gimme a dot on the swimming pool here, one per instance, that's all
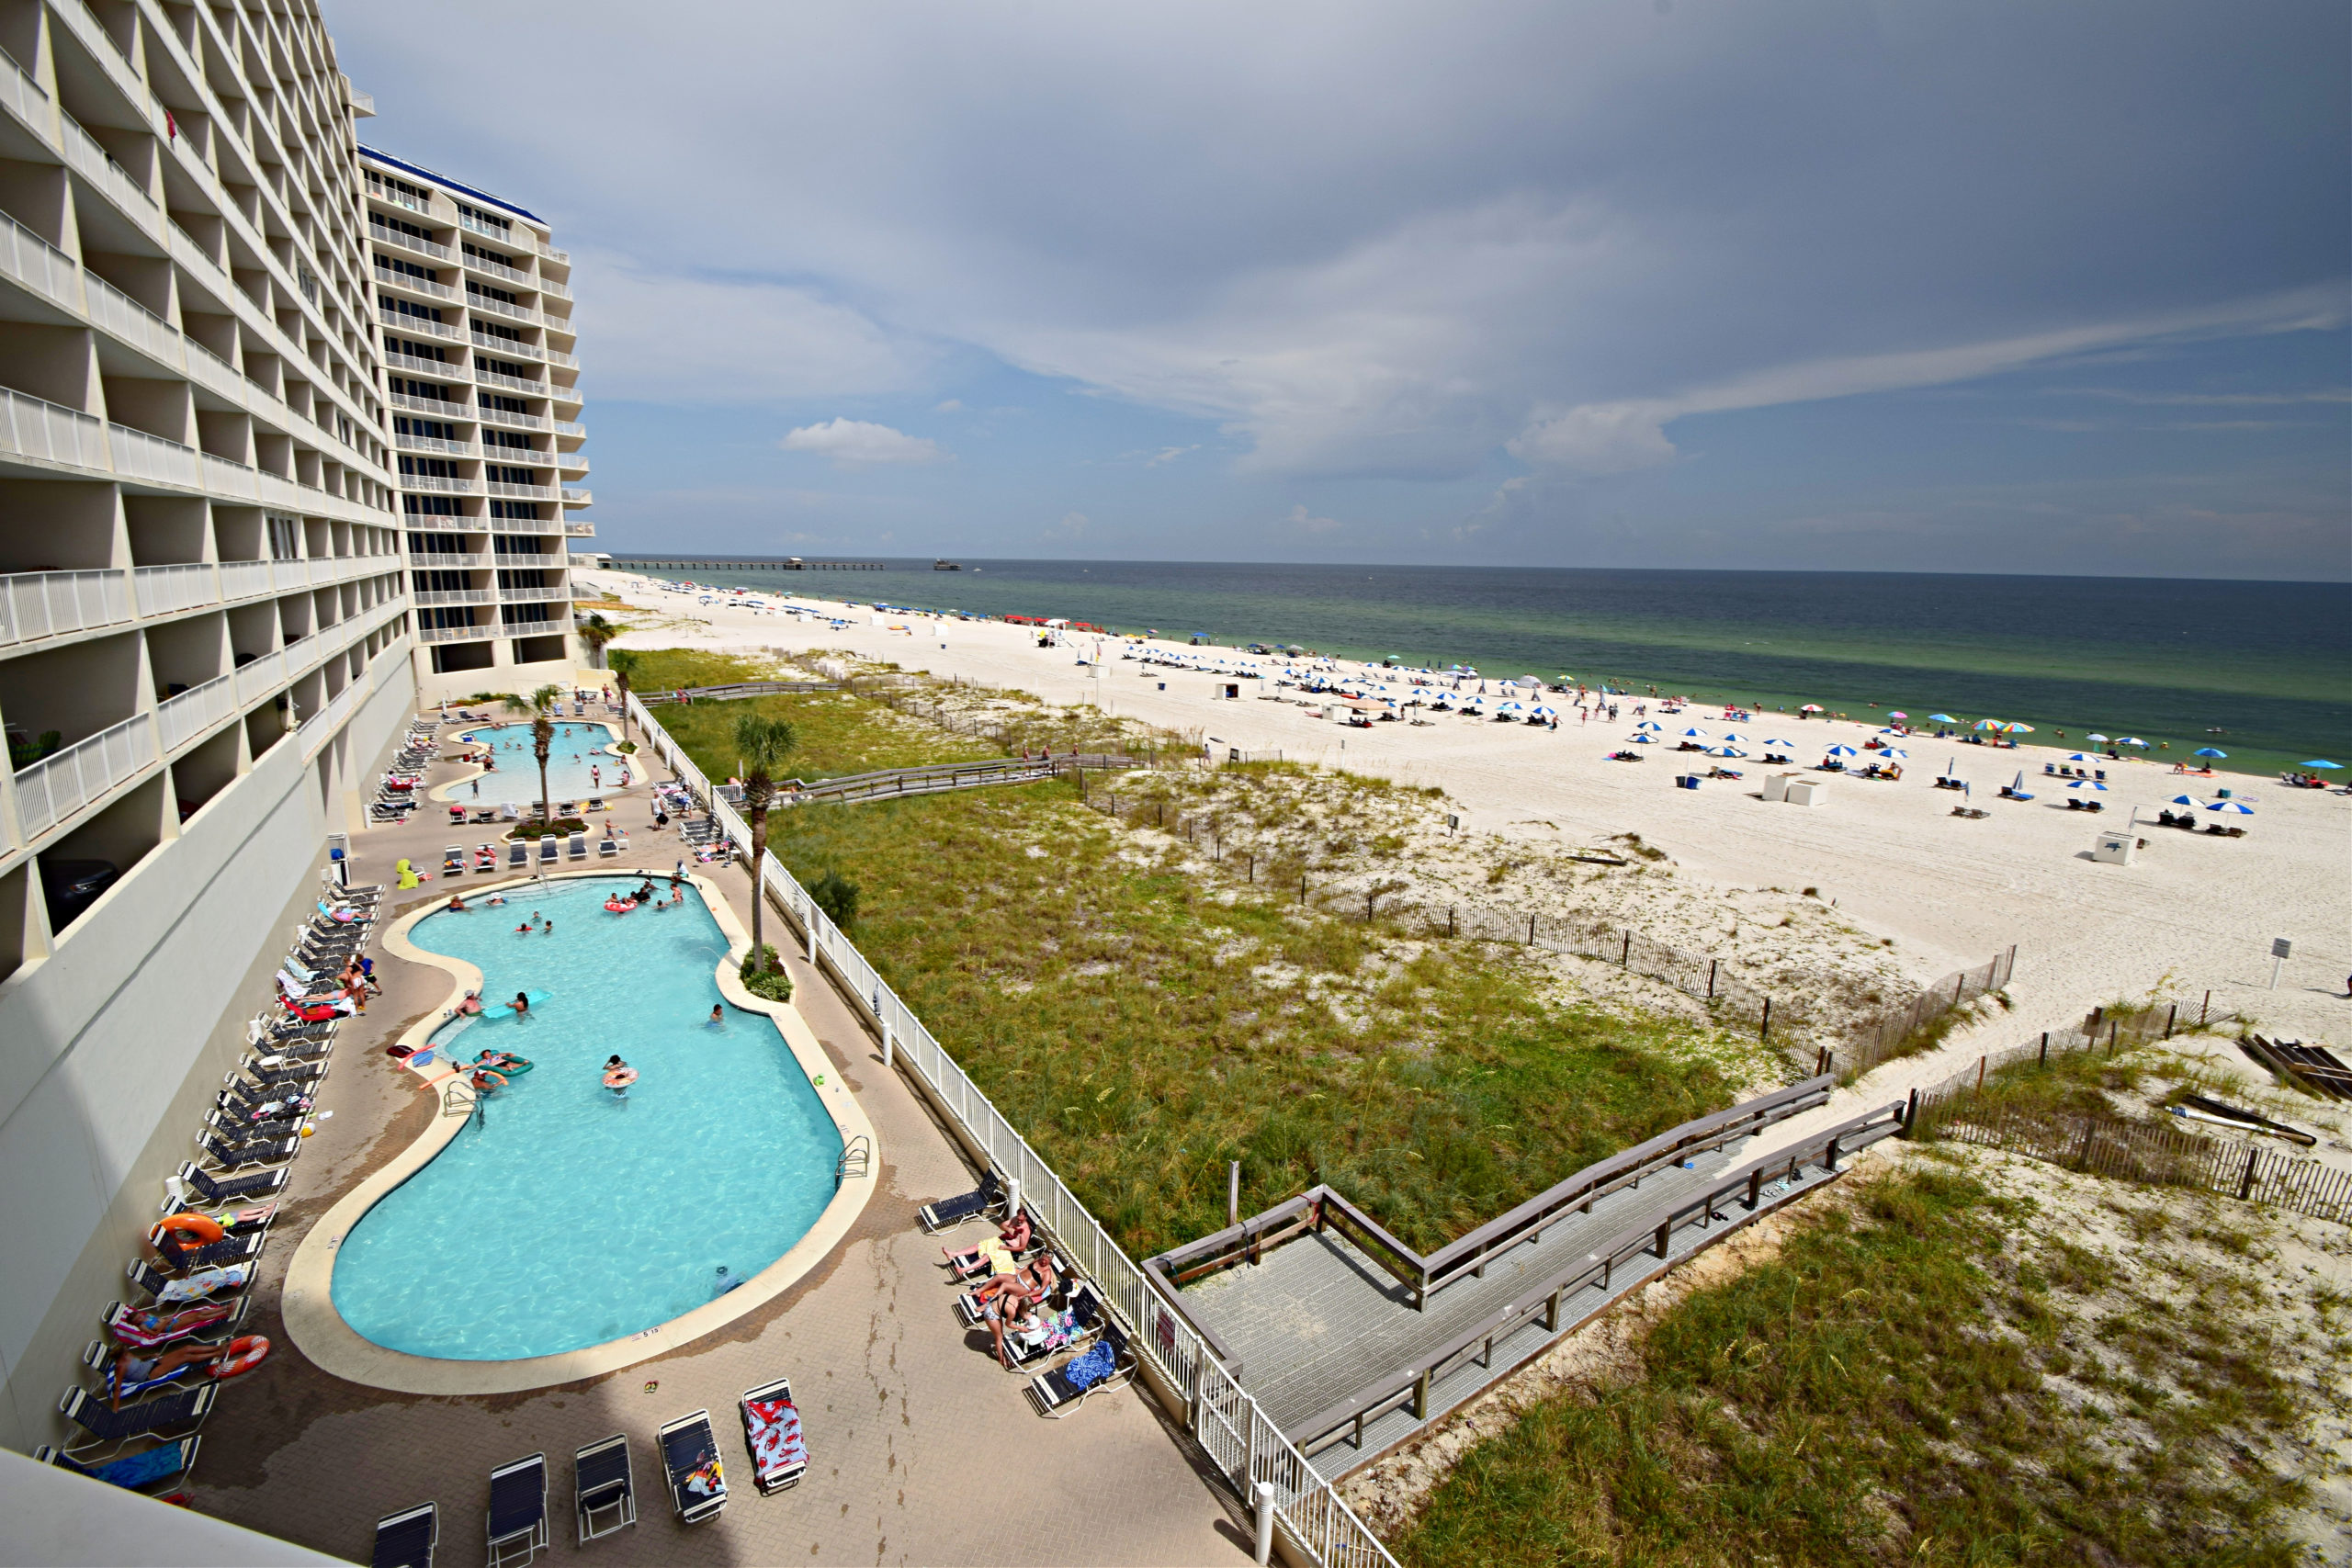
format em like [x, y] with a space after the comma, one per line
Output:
[578, 748]
[565, 1218]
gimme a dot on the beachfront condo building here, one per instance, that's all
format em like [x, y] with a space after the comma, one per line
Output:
[475, 307]
[205, 648]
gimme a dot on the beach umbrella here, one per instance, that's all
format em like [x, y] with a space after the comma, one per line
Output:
[2230, 807]
[1942, 718]
[1643, 740]
[2319, 762]
[2132, 740]
[1890, 751]
[1730, 736]
[1649, 724]
[2093, 786]
[1810, 707]
[1542, 710]
[1990, 724]
[1696, 733]
[2018, 728]
[2209, 751]
[2096, 736]
[1843, 751]
[1898, 714]
[2076, 757]
[2185, 800]
[1729, 751]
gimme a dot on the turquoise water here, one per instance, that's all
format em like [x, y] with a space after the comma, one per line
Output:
[2269, 665]
[578, 748]
[564, 1217]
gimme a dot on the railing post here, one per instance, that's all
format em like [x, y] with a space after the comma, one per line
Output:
[1264, 1491]
[2044, 1058]
[1665, 1235]
[1755, 1189]
[2246, 1182]
[1829, 1155]
[1764, 1031]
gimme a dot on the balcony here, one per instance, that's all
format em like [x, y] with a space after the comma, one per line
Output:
[36, 604]
[32, 428]
[453, 596]
[163, 590]
[408, 443]
[520, 562]
[519, 525]
[477, 301]
[435, 406]
[535, 595]
[392, 280]
[137, 455]
[563, 394]
[553, 289]
[499, 270]
[378, 191]
[87, 158]
[37, 264]
[522, 492]
[580, 530]
[180, 719]
[247, 580]
[579, 498]
[570, 427]
[557, 357]
[510, 347]
[571, 462]
[513, 383]
[424, 326]
[63, 782]
[518, 420]
[440, 367]
[437, 484]
[457, 634]
[451, 559]
[384, 235]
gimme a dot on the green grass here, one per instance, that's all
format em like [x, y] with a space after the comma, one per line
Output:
[1881, 1393]
[1142, 1024]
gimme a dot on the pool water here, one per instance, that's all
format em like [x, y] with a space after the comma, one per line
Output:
[564, 1217]
[578, 748]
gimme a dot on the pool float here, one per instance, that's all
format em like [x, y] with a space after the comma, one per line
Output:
[201, 1229]
[500, 1061]
[241, 1354]
[620, 1078]
[620, 906]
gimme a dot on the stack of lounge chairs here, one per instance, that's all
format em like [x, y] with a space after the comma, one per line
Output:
[195, 1292]
[604, 1485]
[397, 792]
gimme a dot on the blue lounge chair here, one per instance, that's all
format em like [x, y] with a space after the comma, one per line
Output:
[518, 1511]
[576, 848]
[690, 1455]
[150, 1470]
[1058, 1392]
[406, 1540]
[518, 856]
[604, 1489]
[237, 1157]
[985, 1200]
[218, 1189]
[547, 850]
[173, 1411]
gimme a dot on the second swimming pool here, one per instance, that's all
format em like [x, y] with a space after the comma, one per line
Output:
[566, 1218]
[578, 764]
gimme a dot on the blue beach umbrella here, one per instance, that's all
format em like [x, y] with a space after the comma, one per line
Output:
[1650, 724]
[2185, 800]
[1843, 751]
[2319, 762]
[1731, 736]
[1695, 733]
[2209, 751]
[1892, 751]
[2093, 786]
[2230, 807]
[1941, 719]
[1777, 742]
[2132, 740]
[1640, 740]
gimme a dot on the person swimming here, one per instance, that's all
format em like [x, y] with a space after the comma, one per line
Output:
[718, 1016]
[618, 1075]
[522, 1002]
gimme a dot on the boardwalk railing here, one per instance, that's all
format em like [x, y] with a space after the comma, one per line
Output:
[888, 783]
[1468, 1255]
[733, 690]
[1232, 1430]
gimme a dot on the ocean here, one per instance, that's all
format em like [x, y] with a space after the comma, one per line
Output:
[2262, 670]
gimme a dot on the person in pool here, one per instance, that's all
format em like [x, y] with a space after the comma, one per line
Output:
[615, 1064]
[718, 1016]
[522, 1002]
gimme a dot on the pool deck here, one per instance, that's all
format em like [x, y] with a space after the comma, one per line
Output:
[922, 1450]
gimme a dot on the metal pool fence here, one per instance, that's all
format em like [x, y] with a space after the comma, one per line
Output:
[1247, 1448]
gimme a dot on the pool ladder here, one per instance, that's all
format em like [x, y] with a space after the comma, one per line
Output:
[857, 1159]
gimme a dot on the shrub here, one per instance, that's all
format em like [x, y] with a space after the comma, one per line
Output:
[837, 895]
[763, 975]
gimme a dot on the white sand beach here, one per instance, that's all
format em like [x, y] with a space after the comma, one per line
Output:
[2197, 912]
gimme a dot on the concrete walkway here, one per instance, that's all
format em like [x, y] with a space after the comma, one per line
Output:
[922, 1449]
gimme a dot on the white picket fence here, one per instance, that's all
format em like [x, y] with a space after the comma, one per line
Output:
[1246, 1445]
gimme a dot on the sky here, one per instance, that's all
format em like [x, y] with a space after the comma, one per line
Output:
[1806, 284]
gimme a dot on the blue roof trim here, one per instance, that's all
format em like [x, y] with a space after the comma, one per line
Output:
[441, 179]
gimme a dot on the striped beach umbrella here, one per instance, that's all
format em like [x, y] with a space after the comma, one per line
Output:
[1843, 751]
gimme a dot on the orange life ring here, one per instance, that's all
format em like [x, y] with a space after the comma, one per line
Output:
[241, 1354]
[197, 1228]
[619, 905]
[620, 1078]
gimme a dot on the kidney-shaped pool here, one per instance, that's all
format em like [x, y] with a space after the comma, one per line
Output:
[563, 1217]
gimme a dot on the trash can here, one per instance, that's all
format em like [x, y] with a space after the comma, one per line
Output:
[1776, 785]
[1686, 780]
[1805, 792]
[2116, 847]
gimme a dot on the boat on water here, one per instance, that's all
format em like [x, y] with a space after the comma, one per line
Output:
[946, 566]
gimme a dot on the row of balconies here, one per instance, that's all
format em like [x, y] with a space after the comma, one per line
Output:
[35, 605]
[27, 259]
[435, 408]
[426, 288]
[83, 153]
[569, 462]
[50, 432]
[431, 598]
[482, 560]
[384, 234]
[65, 782]
[486, 631]
[451, 370]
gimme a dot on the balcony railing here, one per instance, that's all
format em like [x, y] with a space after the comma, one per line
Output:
[448, 559]
[521, 526]
[258, 677]
[550, 287]
[570, 427]
[522, 492]
[580, 497]
[535, 595]
[508, 346]
[32, 428]
[408, 443]
[499, 270]
[564, 394]
[436, 407]
[21, 93]
[571, 462]
[393, 279]
[521, 562]
[520, 421]
[160, 589]
[557, 357]
[385, 235]
[95, 163]
[454, 597]
[230, 475]
[580, 530]
[426, 325]
[437, 484]
[457, 634]
[141, 455]
[246, 579]
[513, 383]
[35, 262]
[480, 301]
[182, 718]
[63, 782]
[438, 367]
[384, 192]
[36, 604]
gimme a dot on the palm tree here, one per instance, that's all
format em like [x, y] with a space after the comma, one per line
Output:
[541, 707]
[594, 633]
[622, 663]
[762, 744]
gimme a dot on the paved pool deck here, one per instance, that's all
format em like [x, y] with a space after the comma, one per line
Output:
[922, 1450]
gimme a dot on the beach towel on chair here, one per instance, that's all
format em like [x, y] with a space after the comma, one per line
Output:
[775, 1436]
[1087, 1369]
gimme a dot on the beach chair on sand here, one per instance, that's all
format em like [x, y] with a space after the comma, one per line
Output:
[985, 1200]
[690, 1461]
[1109, 1362]
[518, 1511]
[771, 1436]
[406, 1540]
[604, 1489]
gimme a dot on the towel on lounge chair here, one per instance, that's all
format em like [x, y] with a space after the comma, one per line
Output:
[1090, 1366]
[772, 1433]
[141, 1468]
[204, 1282]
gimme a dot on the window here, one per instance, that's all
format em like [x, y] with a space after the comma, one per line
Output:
[436, 544]
[502, 475]
[493, 257]
[438, 429]
[391, 263]
[399, 192]
[414, 350]
[399, 226]
[434, 390]
[285, 537]
[429, 506]
[522, 510]
[505, 368]
[491, 329]
[392, 307]
[507, 294]
[506, 438]
[431, 468]
[487, 219]
[505, 405]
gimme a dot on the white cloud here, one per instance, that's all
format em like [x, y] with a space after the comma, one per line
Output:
[854, 443]
[1306, 522]
[1169, 454]
[953, 405]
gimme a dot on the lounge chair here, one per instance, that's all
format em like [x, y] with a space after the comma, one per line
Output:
[454, 858]
[518, 856]
[986, 1200]
[606, 848]
[690, 1459]
[1111, 1361]
[149, 1471]
[240, 1156]
[518, 1511]
[117, 1320]
[216, 1255]
[547, 850]
[603, 1488]
[218, 1189]
[485, 859]
[595, 802]
[170, 1413]
[771, 1436]
[576, 846]
[156, 1283]
[406, 1540]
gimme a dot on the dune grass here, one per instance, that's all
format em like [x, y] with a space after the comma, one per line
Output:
[1883, 1392]
[1144, 1019]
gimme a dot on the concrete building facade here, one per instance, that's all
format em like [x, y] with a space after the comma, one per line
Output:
[475, 307]
[205, 644]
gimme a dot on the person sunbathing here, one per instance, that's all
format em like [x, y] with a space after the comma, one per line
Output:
[1036, 1281]
[1012, 1313]
[130, 1370]
[1010, 1241]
